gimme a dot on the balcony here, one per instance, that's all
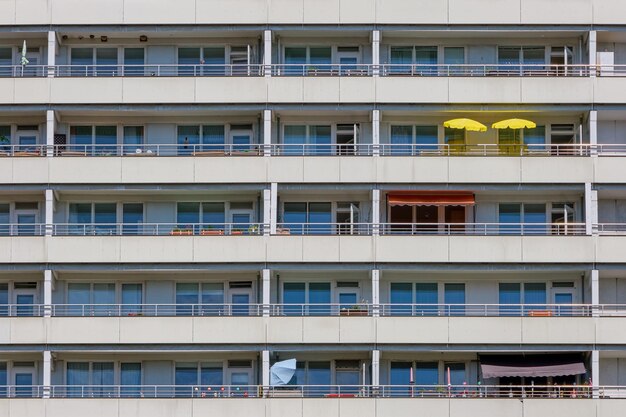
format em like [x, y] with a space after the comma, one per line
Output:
[191, 84]
[255, 324]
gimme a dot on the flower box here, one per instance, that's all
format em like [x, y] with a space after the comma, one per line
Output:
[352, 312]
[185, 232]
[212, 232]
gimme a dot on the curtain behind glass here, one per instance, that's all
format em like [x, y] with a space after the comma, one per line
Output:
[426, 299]
[130, 379]
[294, 293]
[77, 377]
[186, 298]
[455, 294]
[294, 140]
[509, 293]
[401, 135]
[401, 293]
[213, 138]
[319, 294]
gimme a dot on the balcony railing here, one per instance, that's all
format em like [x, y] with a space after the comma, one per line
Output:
[313, 310]
[24, 229]
[416, 391]
[313, 70]
[484, 229]
[299, 229]
[158, 229]
[361, 149]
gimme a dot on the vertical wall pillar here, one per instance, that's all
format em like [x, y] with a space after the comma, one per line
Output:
[273, 207]
[591, 208]
[50, 127]
[52, 52]
[265, 368]
[265, 285]
[375, 368]
[47, 373]
[376, 53]
[595, 373]
[593, 132]
[267, 211]
[49, 213]
[267, 132]
[376, 132]
[375, 212]
[594, 280]
[375, 292]
[48, 286]
[267, 53]
[593, 51]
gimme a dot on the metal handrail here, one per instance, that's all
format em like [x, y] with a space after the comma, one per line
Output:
[156, 310]
[23, 229]
[313, 70]
[157, 149]
[158, 229]
[333, 149]
[483, 229]
[324, 228]
[416, 391]
[362, 309]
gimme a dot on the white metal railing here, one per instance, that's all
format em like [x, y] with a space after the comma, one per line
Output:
[290, 228]
[179, 149]
[313, 70]
[416, 391]
[156, 310]
[483, 229]
[157, 229]
[361, 149]
[24, 229]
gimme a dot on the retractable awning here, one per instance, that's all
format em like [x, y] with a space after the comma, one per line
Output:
[431, 198]
[498, 366]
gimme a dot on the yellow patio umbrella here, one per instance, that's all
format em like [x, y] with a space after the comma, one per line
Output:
[514, 124]
[467, 124]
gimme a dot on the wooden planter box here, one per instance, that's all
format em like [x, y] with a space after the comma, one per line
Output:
[181, 233]
[353, 312]
[211, 232]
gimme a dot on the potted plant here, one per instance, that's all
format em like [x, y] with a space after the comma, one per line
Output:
[5, 143]
[211, 231]
[355, 310]
[253, 229]
[181, 232]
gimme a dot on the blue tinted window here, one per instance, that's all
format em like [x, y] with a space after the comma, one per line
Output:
[510, 293]
[213, 214]
[319, 373]
[401, 135]
[213, 135]
[455, 294]
[400, 373]
[426, 298]
[535, 136]
[401, 293]
[319, 293]
[426, 137]
[320, 135]
[294, 217]
[320, 215]
[426, 373]
[294, 293]
[457, 373]
[188, 214]
[186, 374]
[211, 375]
[535, 293]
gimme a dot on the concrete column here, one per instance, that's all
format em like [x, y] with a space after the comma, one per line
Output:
[375, 212]
[47, 373]
[376, 132]
[265, 284]
[593, 132]
[267, 132]
[376, 53]
[375, 368]
[595, 373]
[267, 211]
[48, 287]
[267, 53]
[593, 50]
[375, 292]
[50, 127]
[594, 281]
[273, 207]
[591, 208]
[49, 213]
[265, 368]
[52, 52]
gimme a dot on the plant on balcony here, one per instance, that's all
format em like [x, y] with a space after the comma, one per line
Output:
[211, 231]
[253, 229]
[4, 143]
[182, 232]
[354, 310]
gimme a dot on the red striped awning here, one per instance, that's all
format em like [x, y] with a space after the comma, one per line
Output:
[431, 198]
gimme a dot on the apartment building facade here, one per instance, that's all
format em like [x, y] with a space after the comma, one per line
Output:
[194, 191]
